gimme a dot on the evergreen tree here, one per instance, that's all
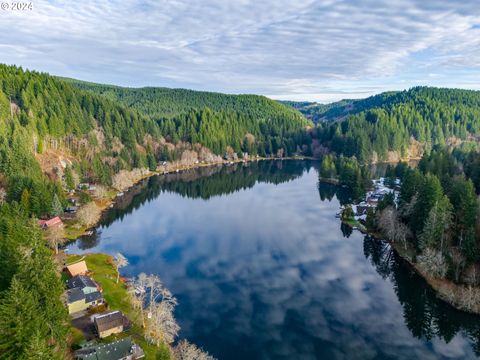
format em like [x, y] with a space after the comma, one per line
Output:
[69, 180]
[437, 225]
[328, 169]
[57, 208]
[429, 194]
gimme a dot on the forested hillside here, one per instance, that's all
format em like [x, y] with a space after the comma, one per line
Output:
[159, 102]
[435, 220]
[246, 123]
[339, 110]
[41, 112]
[324, 112]
[54, 135]
[404, 124]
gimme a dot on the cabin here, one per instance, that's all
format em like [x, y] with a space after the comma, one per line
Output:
[79, 268]
[54, 222]
[123, 349]
[77, 300]
[86, 284]
[108, 323]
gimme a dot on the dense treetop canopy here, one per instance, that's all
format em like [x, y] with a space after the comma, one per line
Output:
[397, 121]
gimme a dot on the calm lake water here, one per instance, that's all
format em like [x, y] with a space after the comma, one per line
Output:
[262, 269]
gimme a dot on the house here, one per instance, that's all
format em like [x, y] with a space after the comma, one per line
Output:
[45, 224]
[86, 284]
[123, 349]
[79, 268]
[108, 323]
[77, 300]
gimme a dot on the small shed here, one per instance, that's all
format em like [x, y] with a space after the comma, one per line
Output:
[109, 323]
[79, 268]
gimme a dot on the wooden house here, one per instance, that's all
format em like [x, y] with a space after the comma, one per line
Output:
[54, 222]
[108, 323]
[79, 268]
[77, 300]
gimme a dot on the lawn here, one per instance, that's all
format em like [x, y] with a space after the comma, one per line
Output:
[117, 298]
[355, 224]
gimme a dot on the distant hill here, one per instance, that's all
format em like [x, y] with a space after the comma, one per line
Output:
[46, 122]
[160, 102]
[401, 124]
[340, 109]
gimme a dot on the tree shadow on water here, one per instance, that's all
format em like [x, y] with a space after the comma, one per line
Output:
[426, 316]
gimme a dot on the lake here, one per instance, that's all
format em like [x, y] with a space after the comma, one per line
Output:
[262, 269]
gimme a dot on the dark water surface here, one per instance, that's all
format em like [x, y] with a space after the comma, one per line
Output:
[262, 269]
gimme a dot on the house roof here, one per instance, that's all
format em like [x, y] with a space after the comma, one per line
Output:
[94, 296]
[77, 268]
[107, 321]
[74, 295]
[51, 222]
[80, 281]
[111, 351]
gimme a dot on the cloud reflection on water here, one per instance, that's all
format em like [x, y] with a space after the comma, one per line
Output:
[265, 273]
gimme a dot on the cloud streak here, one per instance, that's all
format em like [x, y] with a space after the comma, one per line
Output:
[311, 49]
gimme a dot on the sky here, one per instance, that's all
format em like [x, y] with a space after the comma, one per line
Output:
[297, 50]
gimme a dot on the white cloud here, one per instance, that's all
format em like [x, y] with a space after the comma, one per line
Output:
[289, 49]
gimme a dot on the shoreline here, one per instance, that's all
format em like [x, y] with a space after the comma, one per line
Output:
[444, 289]
[105, 204]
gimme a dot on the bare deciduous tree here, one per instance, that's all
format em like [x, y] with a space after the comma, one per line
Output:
[120, 261]
[55, 237]
[433, 263]
[188, 351]
[125, 179]
[189, 157]
[156, 304]
[89, 214]
[100, 192]
[458, 262]
[161, 324]
[205, 155]
[392, 227]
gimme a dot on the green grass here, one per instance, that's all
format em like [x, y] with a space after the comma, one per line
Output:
[118, 298]
[354, 223]
[71, 232]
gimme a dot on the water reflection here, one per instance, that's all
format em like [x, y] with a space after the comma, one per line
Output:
[424, 314]
[263, 269]
[203, 183]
